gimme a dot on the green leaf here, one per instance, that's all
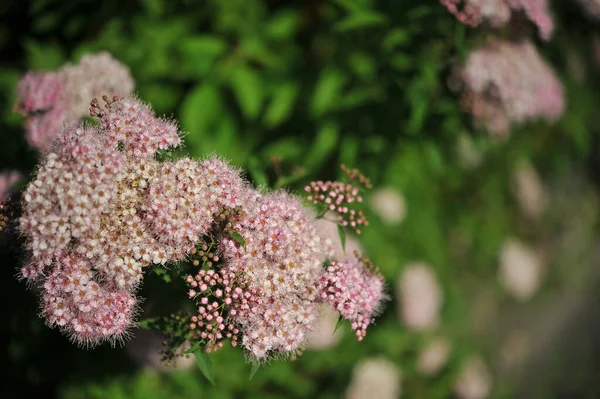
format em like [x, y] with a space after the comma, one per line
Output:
[247, 88]
[200, 110]
[257, 171]
[200, 52]
[239, 239]
[195, 348]
[255, 367]
[342, 234]
[338, 324]
[360, 20]
[327, 91]
[163, 273]
[205, 365]
[325, 143]
[282, 25]
[146, 323]
[43, 56]
[363, 65]
[282, 102]
[394, 38]
[289, 148]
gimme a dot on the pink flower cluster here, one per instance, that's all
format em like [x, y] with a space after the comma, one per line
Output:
[7, 180]
[88, 208]
[51, 99]
[506, 82]
[591, 7]
[101, 208]
[499, 12]
[355, 290]
[281, 262]
[338, 197]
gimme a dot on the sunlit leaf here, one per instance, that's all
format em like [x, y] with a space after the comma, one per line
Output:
[205, 365]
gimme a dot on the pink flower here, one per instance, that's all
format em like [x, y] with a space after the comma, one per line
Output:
[499, 12]
[51, 99]
[508, 83]
[354, 289]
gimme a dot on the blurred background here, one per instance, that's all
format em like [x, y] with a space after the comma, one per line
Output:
[490, 245]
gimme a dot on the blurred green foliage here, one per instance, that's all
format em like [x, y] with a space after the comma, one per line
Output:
[288, 90]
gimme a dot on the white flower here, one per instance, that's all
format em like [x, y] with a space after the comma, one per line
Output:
[520, 269]
[420, 297]
[529, 190]
[389, 204]
[375, 378]
[474, 380]
[435, 356]
[323, 336]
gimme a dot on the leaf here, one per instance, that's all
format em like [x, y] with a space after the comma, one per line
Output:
[194, 348]
[239, 239]
[282, 102]
[163, 273]
[205, 365]
[200, 52]
[43, 55]
[255, 367]
[282, 25]
[146, 323]
[396, 37]
[338, 324]
[247, 88]
[200, 110]
[257, 171]
[325, 143]
[342, 234]
[360, 20]
[327, 91]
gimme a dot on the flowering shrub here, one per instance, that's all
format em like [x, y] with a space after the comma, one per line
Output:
[224, 245]
[102, 207]
[506, 83]
[500, 12]
[51, 99]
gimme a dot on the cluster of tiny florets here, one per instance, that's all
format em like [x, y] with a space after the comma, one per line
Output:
[499, 12]
[91, 312]
[88, 205]
[220, 300]
[102, 207]
[355, 289]
[508, 83]
[50, 100]
[591, 7]
[338, 197]
[281, 260]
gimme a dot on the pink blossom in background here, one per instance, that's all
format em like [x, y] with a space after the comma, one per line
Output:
[50, 100]
[375, 377]
[389, 204]
[324, 335]
[529, 190]
[499, 12]
[507, 83]
[520, 270]
[591, 7]
[474, 380]
[7, 180]
[327, 228]
[434, 356]
[419, 296]
[39, 91]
